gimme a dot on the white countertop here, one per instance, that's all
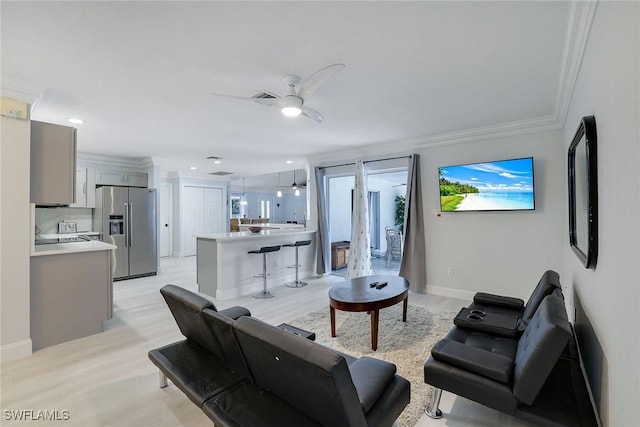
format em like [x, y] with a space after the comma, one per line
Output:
[274, 225]
[58, 236]
[246, 235]
[65, 248]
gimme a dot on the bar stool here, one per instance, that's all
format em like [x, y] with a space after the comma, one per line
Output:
[298, 283]
[264, 294]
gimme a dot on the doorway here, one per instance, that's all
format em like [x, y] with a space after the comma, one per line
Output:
[385, 186]
[165, 201]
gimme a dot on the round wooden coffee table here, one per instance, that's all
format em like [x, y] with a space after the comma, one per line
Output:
[357, 295]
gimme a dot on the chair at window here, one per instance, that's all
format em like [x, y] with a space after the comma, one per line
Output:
[395, 243]
[234, 224]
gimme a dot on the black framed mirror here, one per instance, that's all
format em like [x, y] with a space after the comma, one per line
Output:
[583, 192]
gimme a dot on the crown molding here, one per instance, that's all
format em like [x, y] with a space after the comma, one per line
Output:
[579, 23]
[21, 90]
[410, 145]
[115, 161]
[502, 130]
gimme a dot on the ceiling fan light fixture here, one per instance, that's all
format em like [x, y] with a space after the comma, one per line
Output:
[291, 111]
[291, 106]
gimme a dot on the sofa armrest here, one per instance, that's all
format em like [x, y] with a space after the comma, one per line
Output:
[235, 312]
[370, 378]
[491, 323]
[488, 364]
[499, 300]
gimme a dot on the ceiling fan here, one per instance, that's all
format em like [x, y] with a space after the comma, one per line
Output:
[299, 91]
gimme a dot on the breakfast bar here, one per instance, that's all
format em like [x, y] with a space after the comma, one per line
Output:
[225, 269]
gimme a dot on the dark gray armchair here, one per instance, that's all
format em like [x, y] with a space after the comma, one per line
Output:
[531, 377]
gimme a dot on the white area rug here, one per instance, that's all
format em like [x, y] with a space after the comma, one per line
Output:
[407, 345]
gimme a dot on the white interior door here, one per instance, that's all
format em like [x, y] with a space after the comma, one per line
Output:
[165, 200]
[203, 212]
[213, 210]
[193, 210]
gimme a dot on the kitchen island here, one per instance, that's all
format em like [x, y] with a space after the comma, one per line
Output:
[71, 291]
[225, 269]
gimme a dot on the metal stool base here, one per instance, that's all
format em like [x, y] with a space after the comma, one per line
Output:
[263, 295]
[296, 284]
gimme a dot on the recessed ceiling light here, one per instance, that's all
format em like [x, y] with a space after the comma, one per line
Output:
[289, 162]
[193, 168]
[217, 162]
[75, 121]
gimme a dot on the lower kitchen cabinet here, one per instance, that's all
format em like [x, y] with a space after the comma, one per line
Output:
[71, 296]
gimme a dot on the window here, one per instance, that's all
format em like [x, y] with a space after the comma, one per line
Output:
[265, 207]
[236, 208]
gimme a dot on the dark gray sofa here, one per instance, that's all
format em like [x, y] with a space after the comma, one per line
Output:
[243, 372]
[536, 377]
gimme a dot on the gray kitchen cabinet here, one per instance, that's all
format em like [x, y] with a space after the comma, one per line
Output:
[53, 164]
[71, 296]
[85, 188]
[124, 179]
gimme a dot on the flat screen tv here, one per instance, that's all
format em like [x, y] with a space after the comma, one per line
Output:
[503, 185]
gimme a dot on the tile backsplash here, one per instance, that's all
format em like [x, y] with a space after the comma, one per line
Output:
[47, 219]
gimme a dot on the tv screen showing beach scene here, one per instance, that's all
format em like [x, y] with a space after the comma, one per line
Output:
[504, 185]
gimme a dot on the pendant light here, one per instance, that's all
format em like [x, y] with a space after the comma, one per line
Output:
[279, 192]
[294, 186]
[243, 200]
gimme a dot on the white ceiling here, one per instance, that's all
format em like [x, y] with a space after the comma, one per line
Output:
[141, 73]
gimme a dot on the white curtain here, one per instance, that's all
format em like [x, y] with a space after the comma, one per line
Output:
[360, 251]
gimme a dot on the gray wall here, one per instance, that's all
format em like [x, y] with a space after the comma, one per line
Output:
[500, 252]
[608, 87]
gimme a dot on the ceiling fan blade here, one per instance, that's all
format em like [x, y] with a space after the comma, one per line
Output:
[313, 114]
[224, 95]
[309, 85]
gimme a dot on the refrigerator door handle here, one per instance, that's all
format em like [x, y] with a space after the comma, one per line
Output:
[126, 225]
[130, 224]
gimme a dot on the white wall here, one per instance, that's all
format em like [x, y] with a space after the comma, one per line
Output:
[15, 229]
[498, 252]
[608, 87]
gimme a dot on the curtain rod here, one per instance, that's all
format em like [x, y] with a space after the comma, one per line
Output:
[366, 161]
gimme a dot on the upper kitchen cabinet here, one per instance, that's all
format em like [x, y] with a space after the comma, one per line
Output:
[85, 188]
[53, 164]
[123, 179]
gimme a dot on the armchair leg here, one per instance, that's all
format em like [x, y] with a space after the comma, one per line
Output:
[432, 409]
[163, 380]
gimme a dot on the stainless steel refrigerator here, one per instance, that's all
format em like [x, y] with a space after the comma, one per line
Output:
[127, 218]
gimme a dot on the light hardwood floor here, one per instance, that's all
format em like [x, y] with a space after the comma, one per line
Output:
[107, 380]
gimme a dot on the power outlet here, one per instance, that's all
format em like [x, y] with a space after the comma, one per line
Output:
[450, 272]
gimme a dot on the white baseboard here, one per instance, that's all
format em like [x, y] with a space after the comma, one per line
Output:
[449, 292]
[16, 350]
